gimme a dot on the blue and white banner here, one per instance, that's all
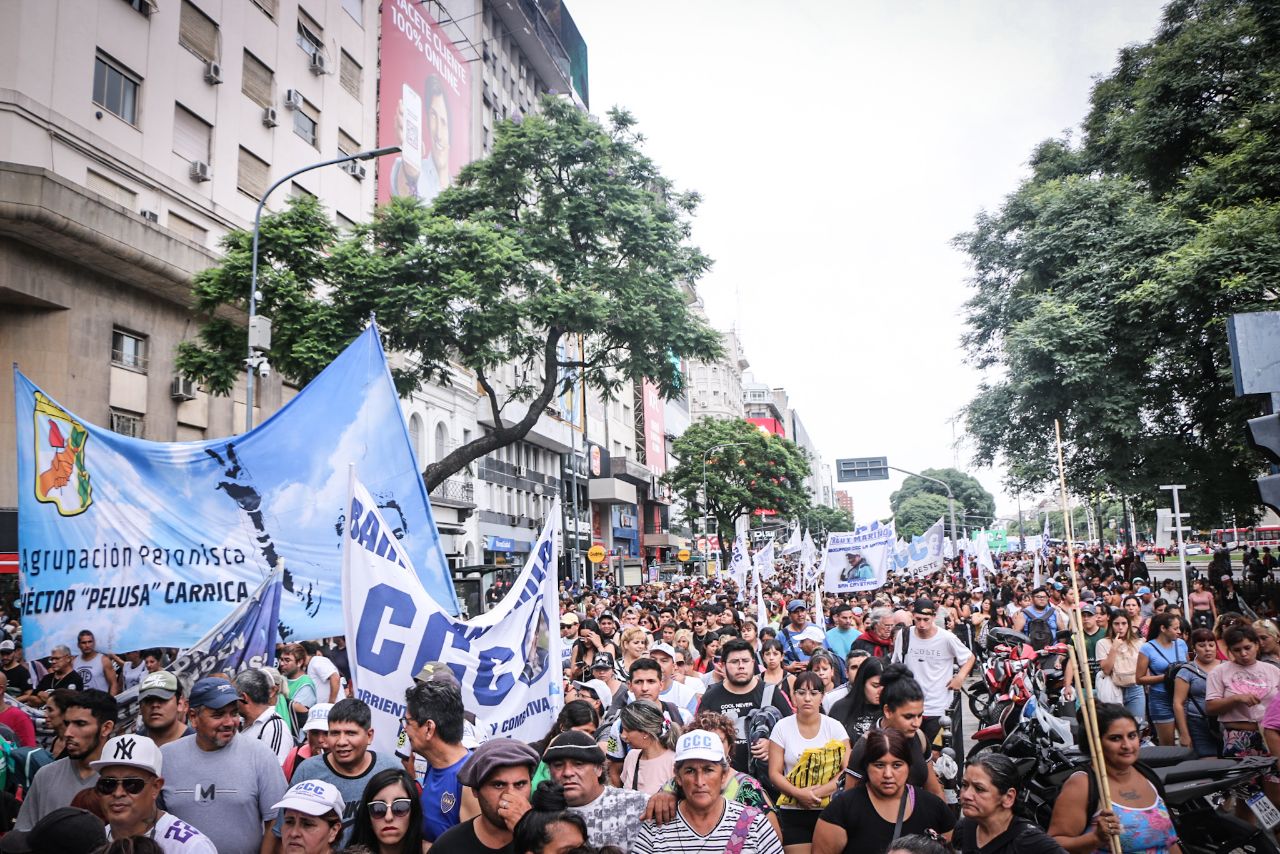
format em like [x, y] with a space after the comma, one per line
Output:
[924, 554]
[507, 659]
[151, 543]
[739, 566]
[858, 560]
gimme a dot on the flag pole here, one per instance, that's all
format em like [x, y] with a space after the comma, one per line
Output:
[1087, 703]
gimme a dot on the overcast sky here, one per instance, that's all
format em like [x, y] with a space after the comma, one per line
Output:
[839, 146]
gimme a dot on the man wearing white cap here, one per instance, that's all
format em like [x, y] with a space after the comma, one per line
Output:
[316, 731]
[312, 816]
[705, 820]
[672, 691]
[129, 782]
[164, 709]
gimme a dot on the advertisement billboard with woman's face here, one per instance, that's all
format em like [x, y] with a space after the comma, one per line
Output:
[425, 104]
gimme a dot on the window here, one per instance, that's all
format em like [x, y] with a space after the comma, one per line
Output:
[268, 7]
[297, 191]
[109, 189]
[310, 34]
[345, 225]
[115, 89]
[197, 32]
[306, 120]
[142, 7]
[346, 145]
[191, 135]
[415, 434]
[350, 74]
[188, 229]
[128, 350]
[126, 423]
[252, 174]
[256, 80]
[354, 8]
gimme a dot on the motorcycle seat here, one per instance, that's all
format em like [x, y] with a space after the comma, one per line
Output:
[1196, 769]
[1158, 757]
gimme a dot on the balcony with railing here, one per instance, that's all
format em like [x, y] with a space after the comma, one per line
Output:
[456, 492]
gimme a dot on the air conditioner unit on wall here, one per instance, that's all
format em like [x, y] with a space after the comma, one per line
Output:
[292, 99]
[212, 73]
[150, 216]
[319, 65]
[518, 471]
[269, 117]
[199, 170]
[182, 389]
[355, 169]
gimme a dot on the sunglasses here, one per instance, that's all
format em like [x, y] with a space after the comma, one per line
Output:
[399, 808]
[132, 785]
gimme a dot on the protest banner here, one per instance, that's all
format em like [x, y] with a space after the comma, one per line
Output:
[150, 543]
[858, 560]
[245, 638]
[925, 552]
[507, 660]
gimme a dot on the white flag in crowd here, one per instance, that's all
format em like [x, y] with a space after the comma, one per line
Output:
[740, 566]
[507, 659]
[793, 542]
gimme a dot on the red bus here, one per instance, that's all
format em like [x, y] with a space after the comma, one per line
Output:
[1265, 535]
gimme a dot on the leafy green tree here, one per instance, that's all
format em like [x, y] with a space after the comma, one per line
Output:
[567, 231]
[1102, 285]
[971, 498]
[917, 512]
[820, 518]
[752, 470]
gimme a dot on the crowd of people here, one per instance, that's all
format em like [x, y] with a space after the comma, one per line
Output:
[686, 727]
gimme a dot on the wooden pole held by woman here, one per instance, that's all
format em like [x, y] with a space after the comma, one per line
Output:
[1087, 702]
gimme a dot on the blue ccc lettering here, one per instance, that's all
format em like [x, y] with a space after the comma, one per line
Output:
[397, 608]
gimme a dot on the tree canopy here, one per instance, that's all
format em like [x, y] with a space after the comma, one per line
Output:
[1103, 283]
[565, 231]
[820, 518]
[917, 512]
[972, 500]
[754, 470]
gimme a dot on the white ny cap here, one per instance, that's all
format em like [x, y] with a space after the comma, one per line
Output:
[135, 751]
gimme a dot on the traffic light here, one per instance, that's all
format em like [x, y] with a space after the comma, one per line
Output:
[1264, 434]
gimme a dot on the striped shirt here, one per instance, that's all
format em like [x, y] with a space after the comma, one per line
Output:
[677, 837]
[272, 731]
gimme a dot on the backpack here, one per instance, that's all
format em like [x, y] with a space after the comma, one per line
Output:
[23, 763]
[1038, 629]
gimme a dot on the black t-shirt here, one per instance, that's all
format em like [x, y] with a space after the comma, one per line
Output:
[19, 679]
[1021, 837]
[868, 833]
[461, 839]
[918, 775]
[736, 707]
[71, 680]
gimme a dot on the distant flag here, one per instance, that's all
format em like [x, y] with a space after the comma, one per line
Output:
[793, 542]
[740, 566]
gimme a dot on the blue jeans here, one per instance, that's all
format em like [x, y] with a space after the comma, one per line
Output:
[1135, 700]
[1201, 738]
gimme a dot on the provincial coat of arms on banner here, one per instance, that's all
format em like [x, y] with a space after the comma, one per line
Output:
[62, 477]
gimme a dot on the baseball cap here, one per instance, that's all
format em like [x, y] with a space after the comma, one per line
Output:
[135, 751]
[67, 830]
[1088, 608]
[700, 744]
[7, 646]
[811, 632]
[318, 718]
[796, 605]
[162, 684]
[437, 671]
[211, 692]
[857, 609]
[664, 648]
[924, 606]
[597, 687]
[602, 660]
[1143, 591]
[313, 797]
[569, 619]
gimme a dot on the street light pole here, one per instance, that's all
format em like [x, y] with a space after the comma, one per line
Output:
[1178, 528]
[252, 360]
[706, 510]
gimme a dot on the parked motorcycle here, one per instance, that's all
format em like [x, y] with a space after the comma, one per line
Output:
[1195, 790]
